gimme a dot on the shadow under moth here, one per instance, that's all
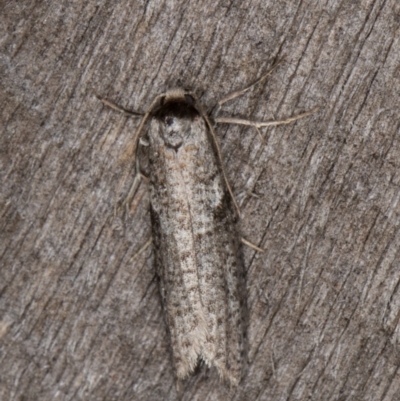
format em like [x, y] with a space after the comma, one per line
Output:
[195, 237]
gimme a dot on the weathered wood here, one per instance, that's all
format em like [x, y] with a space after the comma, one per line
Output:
[79, 319]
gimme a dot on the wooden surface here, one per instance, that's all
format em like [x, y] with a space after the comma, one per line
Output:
[81, 320]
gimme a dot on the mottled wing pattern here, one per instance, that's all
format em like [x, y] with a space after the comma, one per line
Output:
[196, 243]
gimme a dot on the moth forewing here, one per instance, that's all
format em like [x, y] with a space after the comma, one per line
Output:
[195, 239]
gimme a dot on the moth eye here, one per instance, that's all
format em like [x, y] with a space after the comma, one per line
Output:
[189, 99]
[162, 100]
[169, 121]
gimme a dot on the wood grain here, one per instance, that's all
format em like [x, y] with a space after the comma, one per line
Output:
[80, 320]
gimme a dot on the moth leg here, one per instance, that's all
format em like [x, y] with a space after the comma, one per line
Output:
[127, 156]
[251, 245]
[235, 94]
[261, 124]
[141, 250]
[257, 124]
[131, 194]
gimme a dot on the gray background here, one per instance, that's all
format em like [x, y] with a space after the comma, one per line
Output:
[80, 320]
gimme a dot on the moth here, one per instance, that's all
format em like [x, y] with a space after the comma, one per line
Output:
[195, 236]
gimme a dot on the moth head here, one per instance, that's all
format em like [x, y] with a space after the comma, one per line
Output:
[174, 94]
[176, 111]
[176, 103]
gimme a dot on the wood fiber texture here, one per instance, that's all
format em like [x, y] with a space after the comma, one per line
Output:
[80, 318]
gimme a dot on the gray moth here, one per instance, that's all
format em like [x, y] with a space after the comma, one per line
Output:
[196, 242]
